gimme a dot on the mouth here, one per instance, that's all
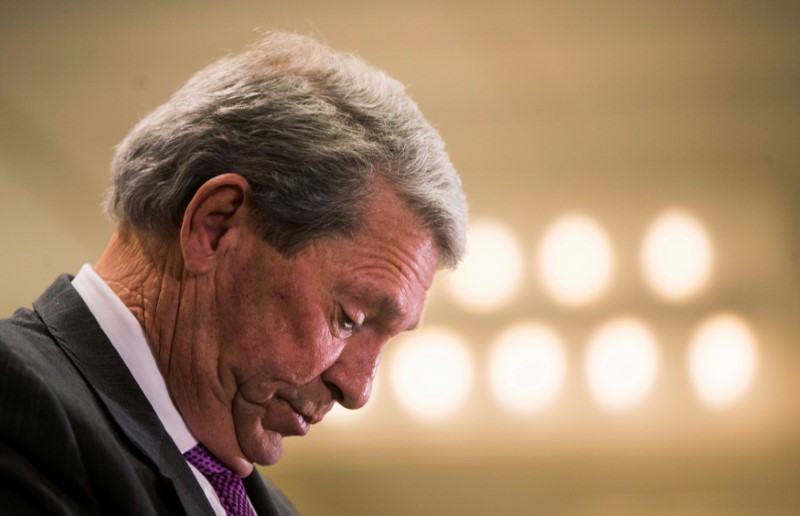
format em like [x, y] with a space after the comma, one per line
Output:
[309, 415]
[293, 415]
[297, 418]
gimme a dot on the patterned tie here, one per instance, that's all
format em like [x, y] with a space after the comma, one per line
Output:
[225, 482]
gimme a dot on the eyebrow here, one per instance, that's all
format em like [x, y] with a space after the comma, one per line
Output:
[390, 311]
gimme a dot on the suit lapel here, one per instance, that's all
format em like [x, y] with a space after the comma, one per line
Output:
[74, 328]
[265, 497]
[258, 494]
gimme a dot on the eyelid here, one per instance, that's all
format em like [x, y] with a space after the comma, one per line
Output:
[356, 319]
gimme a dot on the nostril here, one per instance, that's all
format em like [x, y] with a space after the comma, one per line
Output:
[336, 392]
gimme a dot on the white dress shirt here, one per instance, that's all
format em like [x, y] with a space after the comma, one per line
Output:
[128, 337]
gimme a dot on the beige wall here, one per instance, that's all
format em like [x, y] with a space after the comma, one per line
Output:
[616, 109]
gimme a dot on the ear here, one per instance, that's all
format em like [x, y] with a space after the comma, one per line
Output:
[216, 214]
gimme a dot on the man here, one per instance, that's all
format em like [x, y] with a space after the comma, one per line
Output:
[278, 220]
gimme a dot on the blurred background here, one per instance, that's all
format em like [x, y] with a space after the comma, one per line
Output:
[622, 339]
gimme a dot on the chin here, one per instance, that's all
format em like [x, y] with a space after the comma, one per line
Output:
[264, 451]
[269, 458]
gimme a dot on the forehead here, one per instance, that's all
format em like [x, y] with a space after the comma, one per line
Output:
[390, 262]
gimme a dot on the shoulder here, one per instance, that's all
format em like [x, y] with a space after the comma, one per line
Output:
[59, 448]
[33, 365]
[36, 432]
[39, 386]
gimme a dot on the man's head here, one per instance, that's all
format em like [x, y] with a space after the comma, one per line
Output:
[308, 205]
[310, 129]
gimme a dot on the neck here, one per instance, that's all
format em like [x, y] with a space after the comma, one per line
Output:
[146, 273]
[177, 310]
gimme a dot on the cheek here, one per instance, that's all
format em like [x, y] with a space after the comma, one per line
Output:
[278, 333]
[294, 354]
[303, 361]
[305, 342]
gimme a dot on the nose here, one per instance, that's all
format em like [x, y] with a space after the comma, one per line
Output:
[350, 377]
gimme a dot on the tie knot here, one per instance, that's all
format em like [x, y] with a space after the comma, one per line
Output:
[206, 462]
[225, 482]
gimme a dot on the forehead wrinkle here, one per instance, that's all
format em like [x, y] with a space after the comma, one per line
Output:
[391, 261]
[407, 272]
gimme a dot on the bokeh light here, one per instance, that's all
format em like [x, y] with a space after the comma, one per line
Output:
[621, 363]
[676, 255]
[722, 360]
[576, 260]
[491, 271]
[527, 367]
[431, 373]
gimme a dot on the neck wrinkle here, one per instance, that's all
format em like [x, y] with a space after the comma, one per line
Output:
[146, 273]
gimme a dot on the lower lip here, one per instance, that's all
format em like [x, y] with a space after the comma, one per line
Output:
[282, 418]
[301, 424]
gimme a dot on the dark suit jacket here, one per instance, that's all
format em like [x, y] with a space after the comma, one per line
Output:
[77, 435]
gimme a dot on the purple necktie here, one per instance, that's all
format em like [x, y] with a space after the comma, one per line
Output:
[225, 482]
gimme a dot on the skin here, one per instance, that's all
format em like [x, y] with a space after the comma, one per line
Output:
[256, 347]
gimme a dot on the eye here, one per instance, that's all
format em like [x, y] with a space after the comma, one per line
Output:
[346, 323]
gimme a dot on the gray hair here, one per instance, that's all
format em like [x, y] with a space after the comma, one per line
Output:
[309, 128]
